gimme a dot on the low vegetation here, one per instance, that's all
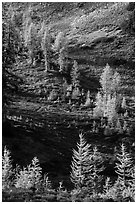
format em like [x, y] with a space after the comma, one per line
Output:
[86, 175]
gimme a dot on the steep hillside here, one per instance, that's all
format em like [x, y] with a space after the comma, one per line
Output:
[34, 125]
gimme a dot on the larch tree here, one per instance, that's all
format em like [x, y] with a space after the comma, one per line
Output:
[60, 47]
[110, 109]
[106, 80]
[107, 101]
[29, 176]
[123, 104]
[80, 166]
[96, 163]
[99, 109]
[60, 41]
[62, 60]
[88, 100]
[115, 83]
[124, 166]
[7, 169]
[31, 41]
[75, 74]
[46, 47]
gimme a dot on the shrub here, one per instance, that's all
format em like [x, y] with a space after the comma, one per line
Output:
[7, 169]
[29, 176]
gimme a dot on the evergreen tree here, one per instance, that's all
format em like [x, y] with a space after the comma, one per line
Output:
[29, 176]
[115, 83]
[27, 20]
[46, 47]
[123, 104]
[107, 130]
[106, 102]
[31, 41]
[62, 60]
[75, 74]
[76, 94]
[60, 41]
[107, 188]
[80, 166]
[110, 110]
[30, 35]
[46, 183]
[124, 166]
[88, 101]
[119, 128]
[99, 109]
[42, 29]
[96, 163]
[106, 80]
[125, 126]
[7, 169]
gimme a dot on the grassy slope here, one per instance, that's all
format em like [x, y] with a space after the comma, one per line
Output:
[95, 38]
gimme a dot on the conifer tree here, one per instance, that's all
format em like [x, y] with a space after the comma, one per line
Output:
[80, 166]
[30, 35]
[42, 29]
[99, 109]
[119, 128]
[106, 80]
[29, 176]
[88, 101]
[115, 83]
[7, 169]
[26, 23]
[96, 163]
[75, 74]
[107, 131]
[76, 93]
[124, 166]
[110, 109]
[46, 47]
[60, 41]
[123, 104]
[106, 102]
[31, 41]
[62, 60]
[10, 37]
[46, 183]
[106, 188]
[125, 126]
